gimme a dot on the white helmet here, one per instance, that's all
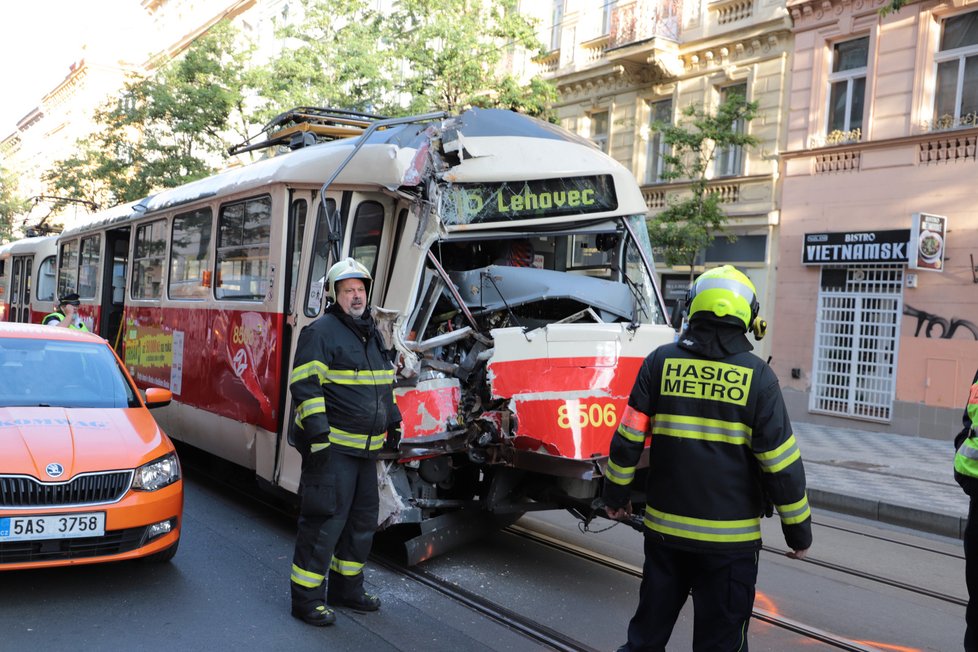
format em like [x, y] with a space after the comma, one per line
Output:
[347, 268]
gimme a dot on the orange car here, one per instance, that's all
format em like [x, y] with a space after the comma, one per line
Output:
[86, 475]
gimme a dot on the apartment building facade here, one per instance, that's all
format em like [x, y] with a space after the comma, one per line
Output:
[621, 65]
[877, 289]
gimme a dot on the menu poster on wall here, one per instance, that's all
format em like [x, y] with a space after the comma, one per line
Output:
[927, 233]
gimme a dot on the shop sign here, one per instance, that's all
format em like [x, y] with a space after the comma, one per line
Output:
[927, 233]
[856, 247]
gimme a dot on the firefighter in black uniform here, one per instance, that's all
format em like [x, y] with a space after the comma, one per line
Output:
[721, 453]
[342, 387]
[966, 473]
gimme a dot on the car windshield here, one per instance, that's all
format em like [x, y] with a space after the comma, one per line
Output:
[54, 373]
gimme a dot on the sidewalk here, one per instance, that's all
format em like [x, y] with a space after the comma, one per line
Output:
[897, 479]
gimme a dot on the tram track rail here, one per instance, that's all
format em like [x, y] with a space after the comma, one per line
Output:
[761, 615]
[896, 542]
[872, 577]
[531, 629]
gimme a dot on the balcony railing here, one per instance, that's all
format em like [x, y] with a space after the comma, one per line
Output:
[643, 20]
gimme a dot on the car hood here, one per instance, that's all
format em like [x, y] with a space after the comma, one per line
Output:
[79, 439]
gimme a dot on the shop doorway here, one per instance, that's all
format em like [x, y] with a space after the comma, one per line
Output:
[857, 334]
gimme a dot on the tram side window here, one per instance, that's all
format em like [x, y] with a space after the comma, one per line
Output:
[320, 258]
[368, 226]
[46, 281]
[147, 264]
[243, 236]
[89, 266]
[190, 259]
[68, 268]
[298, 218]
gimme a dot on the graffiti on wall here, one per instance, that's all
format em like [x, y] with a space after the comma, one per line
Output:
[937, 327]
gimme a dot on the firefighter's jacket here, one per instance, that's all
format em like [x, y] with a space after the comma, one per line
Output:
[342, 386]
[721, 445]
[966, 445]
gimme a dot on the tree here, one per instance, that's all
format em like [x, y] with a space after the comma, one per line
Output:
[451, 52]
[418, 57]
[333, 57]
[688, 225]
[166, 130]
[11, 204]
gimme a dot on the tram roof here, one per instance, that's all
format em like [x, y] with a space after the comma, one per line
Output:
[496, 145]
[28, 245]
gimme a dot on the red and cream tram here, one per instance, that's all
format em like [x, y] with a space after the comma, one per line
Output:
[27, 279]
[512, 274]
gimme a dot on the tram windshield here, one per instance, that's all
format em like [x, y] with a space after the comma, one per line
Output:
[594, 273]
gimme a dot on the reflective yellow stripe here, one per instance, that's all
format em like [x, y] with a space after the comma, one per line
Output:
[700, 529]
[344, 567]
[622, 475]
[310, 407]
[354, 440]
[686, 427]
[353, 377]
[780, 457]
[631, 434]
[315, 448]
[311, 369]
[306, 578]
[795, 512]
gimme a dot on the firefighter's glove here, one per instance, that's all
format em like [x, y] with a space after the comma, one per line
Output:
[393, 440]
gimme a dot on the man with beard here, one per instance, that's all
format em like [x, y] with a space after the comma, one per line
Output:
[342, 388]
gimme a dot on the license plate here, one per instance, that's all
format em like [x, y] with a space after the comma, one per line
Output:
[53, 526]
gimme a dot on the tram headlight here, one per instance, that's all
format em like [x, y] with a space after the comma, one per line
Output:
[157, 474]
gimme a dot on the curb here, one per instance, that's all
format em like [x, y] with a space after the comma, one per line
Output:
[948, 525]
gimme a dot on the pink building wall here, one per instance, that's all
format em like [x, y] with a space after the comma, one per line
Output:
[900, 165]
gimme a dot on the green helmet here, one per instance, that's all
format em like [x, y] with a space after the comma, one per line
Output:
[726, 293]
[347, 268]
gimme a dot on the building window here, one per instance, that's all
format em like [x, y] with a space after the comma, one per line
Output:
[558, 17]
[659, 112]
[847, 86]
[606, 8]
[956, 97]
[730, 160]
[599, 130]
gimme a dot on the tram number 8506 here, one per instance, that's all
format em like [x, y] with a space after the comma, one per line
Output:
[581, 415]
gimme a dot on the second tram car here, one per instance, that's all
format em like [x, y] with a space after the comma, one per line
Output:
[27, 279]
[512, 275]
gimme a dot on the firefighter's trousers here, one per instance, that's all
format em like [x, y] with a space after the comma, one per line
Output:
[338, 505]
[971, 576]
[723, 598]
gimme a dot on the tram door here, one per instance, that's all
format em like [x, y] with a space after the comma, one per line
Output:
[308, 250]
[114, 268]
[20, 288]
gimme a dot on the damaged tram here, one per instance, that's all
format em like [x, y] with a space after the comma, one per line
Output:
[512, 276]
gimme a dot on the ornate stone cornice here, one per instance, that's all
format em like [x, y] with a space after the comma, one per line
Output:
[804, 11]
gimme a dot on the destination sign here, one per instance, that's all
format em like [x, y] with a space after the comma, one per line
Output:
[473, 203]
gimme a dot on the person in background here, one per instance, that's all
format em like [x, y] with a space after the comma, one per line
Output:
[721, 452]
[966, 474]
[342, 388]
[66, 314]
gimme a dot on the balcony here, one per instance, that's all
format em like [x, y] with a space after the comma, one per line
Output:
[646, 32]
